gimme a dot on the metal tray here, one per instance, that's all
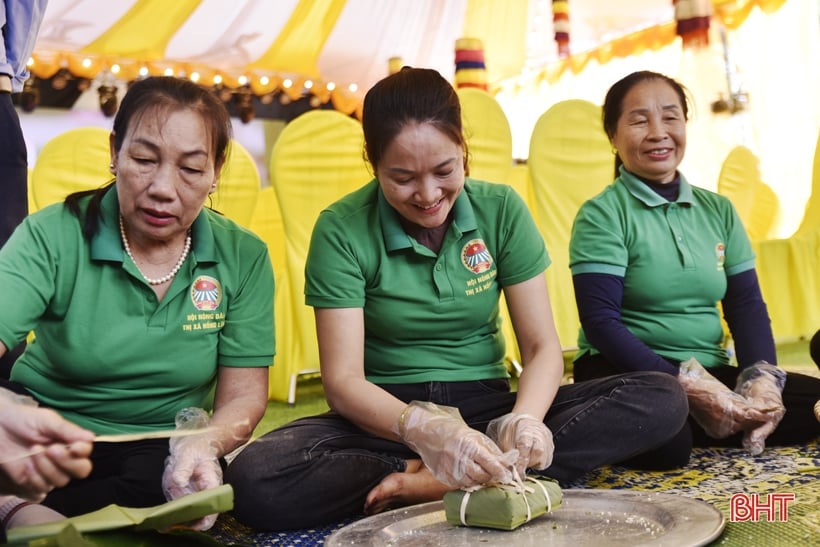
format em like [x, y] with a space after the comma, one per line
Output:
[587, 517]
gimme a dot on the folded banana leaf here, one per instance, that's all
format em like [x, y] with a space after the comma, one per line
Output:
[114, 517]
[505, 506]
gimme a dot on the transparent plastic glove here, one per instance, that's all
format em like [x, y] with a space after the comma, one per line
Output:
[193, 464]
[719, 410]
[457, 455]
[528, 435]
[762, 386]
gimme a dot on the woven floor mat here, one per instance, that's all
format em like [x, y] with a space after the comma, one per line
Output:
[715, 475]
[712, 475]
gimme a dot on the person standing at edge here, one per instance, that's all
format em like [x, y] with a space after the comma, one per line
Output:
[20, 22]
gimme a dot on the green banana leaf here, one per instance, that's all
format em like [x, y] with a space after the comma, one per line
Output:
[140, 525]
[504, 506]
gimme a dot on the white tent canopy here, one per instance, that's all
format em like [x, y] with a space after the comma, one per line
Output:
[347, 44]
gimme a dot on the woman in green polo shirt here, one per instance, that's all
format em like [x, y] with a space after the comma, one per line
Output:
[144, 303]
[651, 257]
[405, 276]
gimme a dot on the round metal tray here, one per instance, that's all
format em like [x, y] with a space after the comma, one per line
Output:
[587, 517]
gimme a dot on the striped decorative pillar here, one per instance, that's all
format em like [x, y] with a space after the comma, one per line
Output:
[560, 24]
[470, 68]
[692, 21]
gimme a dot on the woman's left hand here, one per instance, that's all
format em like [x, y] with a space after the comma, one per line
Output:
[762, 386]
[528, 435]
[193, 463]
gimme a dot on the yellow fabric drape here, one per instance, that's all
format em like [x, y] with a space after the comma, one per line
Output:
[501, 26]
[157, 19]
[300, 42]
[732, 13]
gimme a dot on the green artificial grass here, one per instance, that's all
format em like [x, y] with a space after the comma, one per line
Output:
[310, 398]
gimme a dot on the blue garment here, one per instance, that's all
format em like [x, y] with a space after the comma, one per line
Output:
[20, 21]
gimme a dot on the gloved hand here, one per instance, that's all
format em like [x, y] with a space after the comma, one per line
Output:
[762, 386]
[457, 455]
[719, 410]
[193, 463]
[528, 435]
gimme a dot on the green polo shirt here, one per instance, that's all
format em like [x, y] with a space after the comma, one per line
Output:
[674, 258]
[428, 317]
[106, 354]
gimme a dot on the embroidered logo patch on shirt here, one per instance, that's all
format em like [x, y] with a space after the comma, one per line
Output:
[206, 293]
[720, 253]
[476, 257]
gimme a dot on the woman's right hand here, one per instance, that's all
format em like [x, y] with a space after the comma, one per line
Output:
[40, 450]
[456, 454]
[716, 408]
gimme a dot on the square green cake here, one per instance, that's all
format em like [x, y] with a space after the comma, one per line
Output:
[505, 506]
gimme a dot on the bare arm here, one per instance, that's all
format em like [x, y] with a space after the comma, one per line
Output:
[340, 332]
[39, 450]
[541, 356]
[239, 403]
[457, 455]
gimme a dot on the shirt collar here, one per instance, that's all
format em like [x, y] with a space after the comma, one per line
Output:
[643, 193]
[396, 238]
[106, 243]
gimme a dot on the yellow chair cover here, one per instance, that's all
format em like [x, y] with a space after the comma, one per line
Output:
[266, 222]
[317, 159]
[755, 202]
[788, 271]
[72, 161]
[489, 140]
[30, 197]
[520, 180]
[811, 216]
[238, 186]
[765, 212]
[488, 135]
[570, 161]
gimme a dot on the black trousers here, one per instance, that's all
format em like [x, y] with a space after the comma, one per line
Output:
[13, 190]
[798, 426]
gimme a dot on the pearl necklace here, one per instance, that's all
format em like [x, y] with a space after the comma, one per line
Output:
[165, 278]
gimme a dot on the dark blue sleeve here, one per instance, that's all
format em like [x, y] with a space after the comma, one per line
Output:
[748, 319]
[598, 297]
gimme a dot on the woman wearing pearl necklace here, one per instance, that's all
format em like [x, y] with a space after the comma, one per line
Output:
[144, 303]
